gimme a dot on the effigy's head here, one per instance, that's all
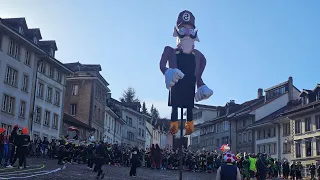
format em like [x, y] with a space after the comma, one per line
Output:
[185, 30]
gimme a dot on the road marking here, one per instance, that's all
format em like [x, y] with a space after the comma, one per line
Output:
[34, 175]
[6, 169]
[17, 173]
[26, 170]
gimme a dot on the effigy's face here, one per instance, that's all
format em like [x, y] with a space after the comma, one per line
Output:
[186, 35]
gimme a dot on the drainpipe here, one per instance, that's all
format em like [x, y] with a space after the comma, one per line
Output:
[279, 140]
[33, 114]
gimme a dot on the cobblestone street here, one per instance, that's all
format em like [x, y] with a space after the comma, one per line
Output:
[48, 169]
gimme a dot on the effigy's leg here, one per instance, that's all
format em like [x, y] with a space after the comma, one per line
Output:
[189, 124]
[174, 124]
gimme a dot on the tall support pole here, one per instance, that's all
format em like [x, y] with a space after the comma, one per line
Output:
[181, 142]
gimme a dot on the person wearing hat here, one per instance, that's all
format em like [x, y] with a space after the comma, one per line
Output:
[228, 171]
[186, 65]
[135, 160]
[23, 145]
[101, 156]
[12, 146]
[2, 131]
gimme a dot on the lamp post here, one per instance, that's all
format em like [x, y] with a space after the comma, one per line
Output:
[34, 114]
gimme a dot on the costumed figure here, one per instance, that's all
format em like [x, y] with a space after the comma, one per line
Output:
[186, 65]
[2, 150]
[285, 169]
[23, 145]
[228, 171]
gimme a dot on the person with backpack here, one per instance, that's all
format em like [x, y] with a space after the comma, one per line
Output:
[228, 171]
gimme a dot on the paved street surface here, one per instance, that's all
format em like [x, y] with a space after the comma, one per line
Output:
[48, 169]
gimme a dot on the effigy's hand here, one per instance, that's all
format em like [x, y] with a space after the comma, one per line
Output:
[202, 93]
[172, 76]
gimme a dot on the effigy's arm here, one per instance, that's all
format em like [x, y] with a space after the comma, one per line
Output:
[171, 75]
[164, 59]
[203, 63]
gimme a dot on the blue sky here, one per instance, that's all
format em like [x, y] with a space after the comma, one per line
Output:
[248, 44]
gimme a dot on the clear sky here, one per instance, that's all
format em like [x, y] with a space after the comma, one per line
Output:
[247, 44]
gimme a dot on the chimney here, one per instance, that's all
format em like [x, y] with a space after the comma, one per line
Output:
[290, 88]
[260, 93]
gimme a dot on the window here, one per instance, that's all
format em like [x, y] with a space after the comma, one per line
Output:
[318, 122]
[286, 129]
[38, 115]
[25, 83]
[240, 138]
[139, 131]
[244, 123]
[11, 48]
[286, 148]
[298, 149]
[21, 30]
[40, 90]
[249, 136]
[42, 67]
[308, 148]
[49, 94]
[305, 100]
[16, 51]
[99, 112]
[55, 120]
[11, 76]
[318, 145]
[298, 127]
[57, 98]
[51, 72]
[75, 89]
[318, 94]
[268, 133]
[22, 109]
[244, 137]
[73, 109]
[218, 128]
[142, 133]
[8, 104]
[51, 52]
[27, 58]
[46, 118]
[225, 125]
[35, 40]
[307, 124]
[59, 77]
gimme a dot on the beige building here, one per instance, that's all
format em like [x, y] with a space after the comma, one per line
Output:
[305, 128]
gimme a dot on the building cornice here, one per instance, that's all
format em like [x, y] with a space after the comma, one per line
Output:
[35, 47]
[88, 78]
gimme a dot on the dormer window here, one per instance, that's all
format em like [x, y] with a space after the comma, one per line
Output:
[318, 95]
[21, 30]
[35, 40]
[305, 100]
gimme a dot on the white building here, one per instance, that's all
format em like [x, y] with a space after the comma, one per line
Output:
[113, 127]
[148, 138]
[201, 114]
[266, 131]
[130, 133]
[50, 90]
[19, 54]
